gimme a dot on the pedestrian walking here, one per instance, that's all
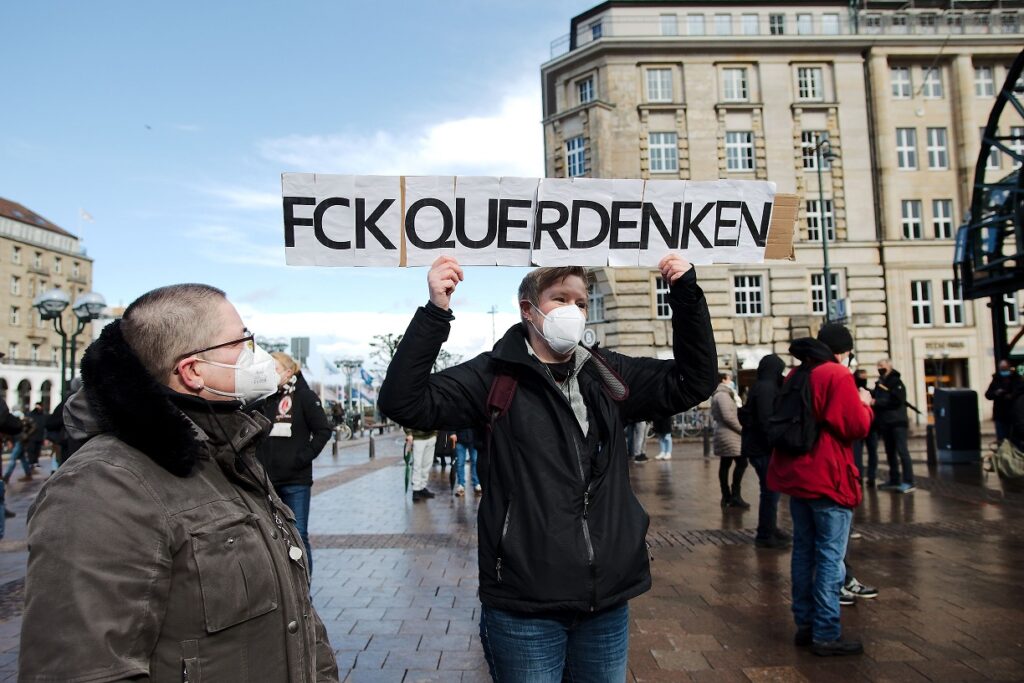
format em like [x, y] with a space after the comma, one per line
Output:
[422, 443]
[727, 441]
[467, 441]
[299, 432]
[755, 447]
[636, 439]
[19, 454]
[890, 405]
[663, 430]
[36, 436]
[160, 551]
[562, 536]
[1002, 391]
[869, 443]
[822, 485]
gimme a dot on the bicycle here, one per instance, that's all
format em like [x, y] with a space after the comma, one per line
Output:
[693, 422]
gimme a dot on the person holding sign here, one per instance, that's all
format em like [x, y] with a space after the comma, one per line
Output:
[562, 536]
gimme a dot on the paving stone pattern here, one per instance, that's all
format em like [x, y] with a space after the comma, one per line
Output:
[396, 582]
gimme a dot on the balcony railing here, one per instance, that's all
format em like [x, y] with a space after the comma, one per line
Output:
[26, 362]
[792, 25]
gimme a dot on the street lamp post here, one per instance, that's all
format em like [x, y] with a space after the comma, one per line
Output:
[823, 151]
[51, 306]
[349, 366]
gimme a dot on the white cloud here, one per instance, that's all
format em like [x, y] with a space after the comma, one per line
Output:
[245, 198]
[508, 142]
[336, 334]
[227, 244]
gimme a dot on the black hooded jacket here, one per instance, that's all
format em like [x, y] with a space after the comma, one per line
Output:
[760, 406]
[559, 526]
[299, 417]
[890, 396]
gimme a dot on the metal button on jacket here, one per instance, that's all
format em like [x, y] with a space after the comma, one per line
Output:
[293, 626]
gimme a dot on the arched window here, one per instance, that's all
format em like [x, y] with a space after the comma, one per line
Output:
[24, 395]
[45, 389]
[3, 389]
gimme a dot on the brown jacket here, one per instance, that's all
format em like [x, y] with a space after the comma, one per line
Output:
[157, 554]
[727, 422]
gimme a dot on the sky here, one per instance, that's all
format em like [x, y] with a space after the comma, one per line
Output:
[171, 123]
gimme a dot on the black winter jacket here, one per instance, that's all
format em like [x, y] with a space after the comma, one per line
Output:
[760, 406]
[890, 396]
[559, 527]
[289, 459]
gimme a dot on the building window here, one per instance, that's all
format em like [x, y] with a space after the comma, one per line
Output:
[37, 259]
[804, 24]
[906, 149]
[900, 24]
[15, 315]
[952, 304]
[777, 24]
[942, 218]
[872, 24]
[938, 155]
[899, 77]
[818, 291]
[735, 85]
[1011, 312]
[723, 24]
[809, 83]
[659, 85]
[661, 308]
[40, 323]
[669, 25]
[585, 90]
[76, 268]
[739, 150]
[809, 140]
[910, 211]
[931, 86]
[1016, 143]
[15, 254]
[1009, 22]
[830, 24]
[58, 264]
[575, 159]
[34, 353]
[664, 152]
[12, 350]
[695, 24]
[15, 285]
[984, 82]
[927, 23]
[595, 305]
[750, 24]
[814, 219]
[921, 303]
[994, 162]
[748, 296]
[596, 30]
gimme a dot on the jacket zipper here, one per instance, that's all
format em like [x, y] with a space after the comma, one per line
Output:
[504, 532]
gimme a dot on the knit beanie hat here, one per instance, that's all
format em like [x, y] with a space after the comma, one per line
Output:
[836, 337]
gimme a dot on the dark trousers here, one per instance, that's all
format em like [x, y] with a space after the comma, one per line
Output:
[870, 442]
[898, 455]
[767, 509]
[737, 475]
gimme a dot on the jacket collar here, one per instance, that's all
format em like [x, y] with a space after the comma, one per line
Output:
[121, 397]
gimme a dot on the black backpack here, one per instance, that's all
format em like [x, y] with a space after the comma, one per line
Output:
[793, 429]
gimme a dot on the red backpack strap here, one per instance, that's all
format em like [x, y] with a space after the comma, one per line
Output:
[503, 389]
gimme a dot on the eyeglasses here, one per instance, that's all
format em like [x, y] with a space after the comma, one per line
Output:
[249, 340]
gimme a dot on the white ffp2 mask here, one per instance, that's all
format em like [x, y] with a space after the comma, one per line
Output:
[255, 375]
[563, 328]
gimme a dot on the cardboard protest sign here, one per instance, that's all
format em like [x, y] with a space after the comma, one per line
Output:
[338, 220]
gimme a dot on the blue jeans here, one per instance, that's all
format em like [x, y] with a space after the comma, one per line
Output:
[821, 529]
[768, 508]
[557, 646]
[3, 509]
[460, 464]
[296, 496]
[666, 442]
[18, 453]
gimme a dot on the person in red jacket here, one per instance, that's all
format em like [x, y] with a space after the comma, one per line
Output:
[824, 487]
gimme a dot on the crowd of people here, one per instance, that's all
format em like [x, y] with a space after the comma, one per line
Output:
[201, 446]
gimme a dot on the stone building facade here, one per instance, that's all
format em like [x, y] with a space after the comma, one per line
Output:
[747, 91]
[35, 256]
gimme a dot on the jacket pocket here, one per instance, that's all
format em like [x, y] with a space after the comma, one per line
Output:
[236, 573]
[191, 671]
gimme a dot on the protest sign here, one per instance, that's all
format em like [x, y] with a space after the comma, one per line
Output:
[343, 220]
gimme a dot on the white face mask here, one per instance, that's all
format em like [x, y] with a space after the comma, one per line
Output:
[255, 375]
[562, 328]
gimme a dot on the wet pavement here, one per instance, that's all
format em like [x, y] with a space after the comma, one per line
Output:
[395, 582]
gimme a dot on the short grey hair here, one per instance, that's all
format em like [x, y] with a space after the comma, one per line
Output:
[165, 324]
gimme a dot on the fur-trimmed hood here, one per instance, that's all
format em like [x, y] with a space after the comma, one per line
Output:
[120, 397]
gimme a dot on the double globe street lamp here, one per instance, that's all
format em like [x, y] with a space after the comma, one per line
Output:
[823, 152]
[51, 306]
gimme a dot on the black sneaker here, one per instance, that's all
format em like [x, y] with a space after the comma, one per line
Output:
[782, 535]
[641, 458]
[803, 637]
[858, 589]
[771, 543]
[417, 496]
[426, 493]
[837, 648]
[846, 598]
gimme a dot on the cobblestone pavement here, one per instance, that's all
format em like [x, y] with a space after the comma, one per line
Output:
[396, 582]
